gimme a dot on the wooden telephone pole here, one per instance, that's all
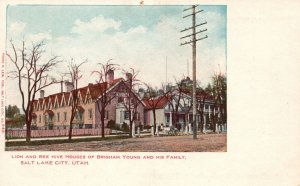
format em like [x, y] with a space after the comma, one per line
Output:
[193, 41]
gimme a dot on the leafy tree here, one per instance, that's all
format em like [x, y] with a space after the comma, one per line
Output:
[18, 120]
[218, 90]
[11, 111]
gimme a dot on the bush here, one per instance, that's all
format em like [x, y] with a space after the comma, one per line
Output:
[111, 124]
[147, 127]
[125, 127]
[34, 127]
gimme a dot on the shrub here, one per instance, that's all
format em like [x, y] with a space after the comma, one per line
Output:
[111, 124]
[125, 127]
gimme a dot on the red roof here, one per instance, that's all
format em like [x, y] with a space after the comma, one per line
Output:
[116, 81]
[95, 91]
[157, 103]
[59, 97]
[67, 96]
[46, 99]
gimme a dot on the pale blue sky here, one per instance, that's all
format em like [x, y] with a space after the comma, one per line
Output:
[141, 37]
[60, 19]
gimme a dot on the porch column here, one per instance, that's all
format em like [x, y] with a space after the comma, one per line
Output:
[209, 111]
[133, 129]
[204, 123]
[152, 130]
[138, 131]
[157, 132]
[190, 128]
[171, 120]
[187, 121]
[187, 128]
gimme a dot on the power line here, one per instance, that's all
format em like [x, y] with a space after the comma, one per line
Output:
[194, 41]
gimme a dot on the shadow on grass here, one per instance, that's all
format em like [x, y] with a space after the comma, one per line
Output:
[60, 141]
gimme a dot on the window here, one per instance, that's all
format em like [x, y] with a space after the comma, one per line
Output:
[40, 119]
[168, 118]
[106, 114]
[78, 116]
[131, 100]
[58, 116]
[126, 115]
[65, 116]
[90, 113]
[120, 100]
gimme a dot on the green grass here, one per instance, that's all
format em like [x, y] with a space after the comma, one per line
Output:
[59, 141]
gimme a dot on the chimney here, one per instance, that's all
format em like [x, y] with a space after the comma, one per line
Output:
[69, 86]
[110, 76]
[61, 86]
[128, 76]
[42, 93]
[141, 93]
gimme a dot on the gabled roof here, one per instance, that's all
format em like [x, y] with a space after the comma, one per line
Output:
[158, 102]
[59, 98]
[67, 96]
[97, 89]
[94, 89]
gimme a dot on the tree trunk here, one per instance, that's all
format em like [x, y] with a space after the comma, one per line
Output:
[213, 122]
[102, 125]
[70, 131]
[154, 120]
[130, 128]
[71, 126]
[28, 126]
[28, 131]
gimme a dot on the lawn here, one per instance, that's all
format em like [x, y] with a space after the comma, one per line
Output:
[204, 143]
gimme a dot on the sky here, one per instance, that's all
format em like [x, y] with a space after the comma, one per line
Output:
[145, 38]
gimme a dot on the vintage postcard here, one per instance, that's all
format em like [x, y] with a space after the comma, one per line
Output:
[131, 93]
[153, 73]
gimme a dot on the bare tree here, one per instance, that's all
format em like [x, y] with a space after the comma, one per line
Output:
[176, 96]
[75, 75]
[154, 97]
[32, 74]
[202, 98]
[103, 83]
[219, 93]
[131, 99]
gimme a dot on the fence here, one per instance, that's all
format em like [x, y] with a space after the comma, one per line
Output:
[15, 133]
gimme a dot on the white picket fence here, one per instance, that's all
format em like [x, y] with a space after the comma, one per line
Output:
[21, 133]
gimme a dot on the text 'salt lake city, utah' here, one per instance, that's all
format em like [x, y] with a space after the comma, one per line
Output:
[116, 78]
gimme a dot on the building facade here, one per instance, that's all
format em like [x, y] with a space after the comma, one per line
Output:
[54, 111]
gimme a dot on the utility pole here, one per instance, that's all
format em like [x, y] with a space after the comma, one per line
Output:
[193, 41]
